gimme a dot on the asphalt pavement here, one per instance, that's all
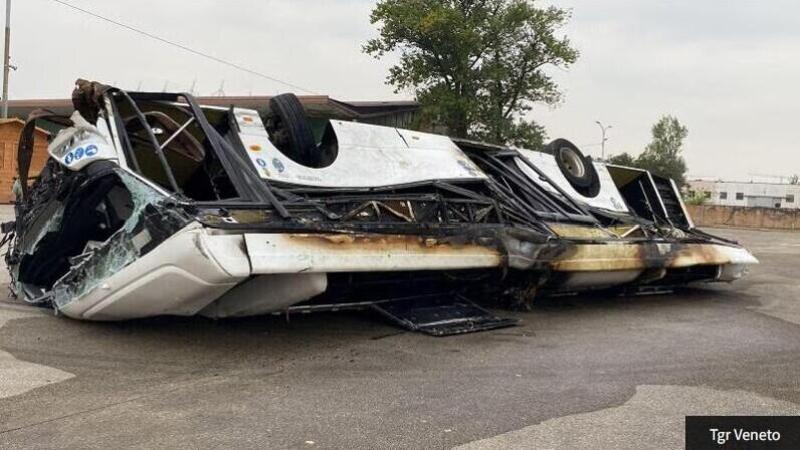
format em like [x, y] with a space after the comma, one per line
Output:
[580, 372]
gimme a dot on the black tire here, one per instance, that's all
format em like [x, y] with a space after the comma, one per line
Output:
[290, 130]
[576, 167]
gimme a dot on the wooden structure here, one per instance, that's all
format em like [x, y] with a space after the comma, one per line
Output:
[9, 140]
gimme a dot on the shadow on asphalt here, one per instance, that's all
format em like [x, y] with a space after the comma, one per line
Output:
[679, 297]
[344, 325]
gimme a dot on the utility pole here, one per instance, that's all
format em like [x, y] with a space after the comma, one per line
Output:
[7, 59]
[603, 142]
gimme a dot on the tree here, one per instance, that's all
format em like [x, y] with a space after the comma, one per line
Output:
[477, 66]
[698, 198]
[662, 156]
[623, 159]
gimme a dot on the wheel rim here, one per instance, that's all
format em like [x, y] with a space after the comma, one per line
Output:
[572, 162]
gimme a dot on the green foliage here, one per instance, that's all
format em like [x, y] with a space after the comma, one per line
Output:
[697, 198]
[623, 159]
[477, 66]
[662, 156]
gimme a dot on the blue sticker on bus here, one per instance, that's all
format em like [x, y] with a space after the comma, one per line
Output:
[80, 152]
[261, 162]
[278, 165]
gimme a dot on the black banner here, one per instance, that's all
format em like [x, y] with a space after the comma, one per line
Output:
[742, 432]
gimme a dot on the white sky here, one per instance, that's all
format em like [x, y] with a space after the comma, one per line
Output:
[727, 69]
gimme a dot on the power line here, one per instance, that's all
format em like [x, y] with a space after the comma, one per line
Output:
[185, 48]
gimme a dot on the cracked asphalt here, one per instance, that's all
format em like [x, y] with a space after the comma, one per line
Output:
[579, 372]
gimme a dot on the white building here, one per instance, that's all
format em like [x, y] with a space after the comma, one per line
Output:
[732, 193]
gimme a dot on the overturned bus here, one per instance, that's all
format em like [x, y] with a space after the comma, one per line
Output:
[151, 204]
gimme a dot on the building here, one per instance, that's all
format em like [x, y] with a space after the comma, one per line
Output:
[752, 194]
[9, 140]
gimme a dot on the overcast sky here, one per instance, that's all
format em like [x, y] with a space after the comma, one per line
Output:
[728, 70]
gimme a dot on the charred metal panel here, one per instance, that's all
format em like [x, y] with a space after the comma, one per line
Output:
[442, 315]
[673, 204]
[646, 255]
[314, 253]
[640, 192]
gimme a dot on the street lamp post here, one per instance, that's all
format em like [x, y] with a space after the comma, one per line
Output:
[603, 142]
[7, 59]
